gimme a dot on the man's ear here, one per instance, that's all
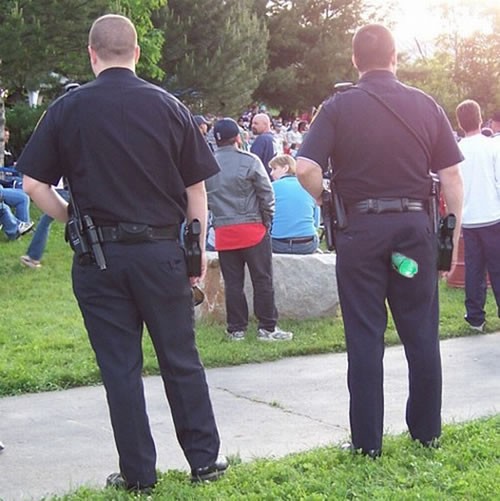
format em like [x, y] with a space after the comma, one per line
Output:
[137, 54]
[394, 58]
[92, 54]
[353, 59]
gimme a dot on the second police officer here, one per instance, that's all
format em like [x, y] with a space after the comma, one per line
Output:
[383, 138]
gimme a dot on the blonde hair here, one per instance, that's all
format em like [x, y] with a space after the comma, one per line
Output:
[113, 37]
[283, 161]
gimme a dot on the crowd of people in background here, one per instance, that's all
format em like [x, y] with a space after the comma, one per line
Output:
[247, 180]
[269, 137]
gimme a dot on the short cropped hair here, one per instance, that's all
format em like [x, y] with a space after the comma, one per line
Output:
[113, 37]
[283, 161]
[373, 47]
[468, 114]
[227, 142]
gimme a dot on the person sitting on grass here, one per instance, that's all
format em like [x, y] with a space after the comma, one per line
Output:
[16, 199]
[38, 243]
[296, 217]
[11, 226]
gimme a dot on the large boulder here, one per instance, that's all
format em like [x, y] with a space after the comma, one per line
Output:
[305, 287]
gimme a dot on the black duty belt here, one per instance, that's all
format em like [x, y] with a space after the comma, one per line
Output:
[299, 240]
[385, 205]
[135, 232]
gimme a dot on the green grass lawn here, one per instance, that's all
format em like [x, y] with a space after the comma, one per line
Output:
[43, 344]
[466, 467]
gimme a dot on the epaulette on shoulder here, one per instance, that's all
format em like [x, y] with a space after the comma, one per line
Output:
[338, 87]
[342, 86]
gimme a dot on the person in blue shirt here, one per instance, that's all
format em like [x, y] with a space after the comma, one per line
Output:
[296, 219]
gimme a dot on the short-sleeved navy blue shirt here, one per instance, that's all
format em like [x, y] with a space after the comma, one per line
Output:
[265, 148]
[128, 148]
[372, 153]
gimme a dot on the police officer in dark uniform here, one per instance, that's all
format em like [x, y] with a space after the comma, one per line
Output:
[136, 163]
[381, 170]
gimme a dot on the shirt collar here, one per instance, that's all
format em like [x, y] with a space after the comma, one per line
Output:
[116, 72]
[378, 75]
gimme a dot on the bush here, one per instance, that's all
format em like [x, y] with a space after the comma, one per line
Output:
[21, 119]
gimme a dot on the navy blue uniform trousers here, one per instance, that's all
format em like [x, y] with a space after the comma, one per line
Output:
[367, 284]
[146, 283]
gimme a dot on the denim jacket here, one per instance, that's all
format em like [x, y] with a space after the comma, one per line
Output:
[241, 192]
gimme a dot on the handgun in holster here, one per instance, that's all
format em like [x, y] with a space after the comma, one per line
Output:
[443, 228]
[445, 241]
[192, 248]
[82, 236]
[334, 216]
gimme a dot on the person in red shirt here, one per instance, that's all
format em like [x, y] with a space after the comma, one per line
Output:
[241, 199]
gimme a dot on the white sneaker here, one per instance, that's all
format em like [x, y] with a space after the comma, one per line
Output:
[24, 228]
[479, 328]
[30, 263]
[236, 335]
[275, 335]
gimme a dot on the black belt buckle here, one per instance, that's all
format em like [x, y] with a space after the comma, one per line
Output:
[133, 232]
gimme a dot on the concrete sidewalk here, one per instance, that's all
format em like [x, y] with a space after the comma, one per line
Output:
[58, 441]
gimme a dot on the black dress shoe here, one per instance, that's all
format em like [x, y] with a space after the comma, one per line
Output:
[117, 481]
[431, 444]
[371, 453]
[210, 473]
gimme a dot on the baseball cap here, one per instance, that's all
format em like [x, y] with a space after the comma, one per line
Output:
[226, 128]
[200, 119]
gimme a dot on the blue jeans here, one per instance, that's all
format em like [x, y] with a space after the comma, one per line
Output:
[17, 199]
[481, 254]
[41, 235]
[8, 221]
[280, 246]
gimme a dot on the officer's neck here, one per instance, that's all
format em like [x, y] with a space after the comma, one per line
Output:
[391, 69]
[101, 68]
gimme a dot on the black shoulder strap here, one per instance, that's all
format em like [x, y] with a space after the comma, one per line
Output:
[408, 127]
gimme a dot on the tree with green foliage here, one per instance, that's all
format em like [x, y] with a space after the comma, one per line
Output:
[40, 37]
[150, 39]
[462, 66]
[309, 50]
[48, 37]
[214, 54]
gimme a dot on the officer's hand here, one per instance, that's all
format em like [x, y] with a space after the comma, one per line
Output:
[445, 274]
